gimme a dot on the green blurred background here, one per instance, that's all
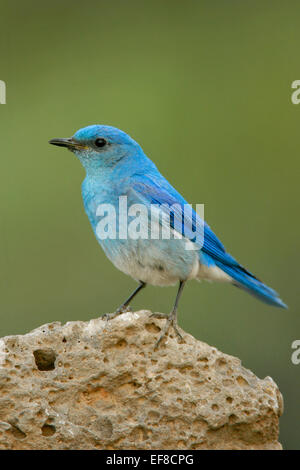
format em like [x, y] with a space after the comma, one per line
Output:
[205, 88]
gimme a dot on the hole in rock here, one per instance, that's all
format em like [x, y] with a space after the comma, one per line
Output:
[45, 358]
[152, 328]
[17, 433]
[48, 430]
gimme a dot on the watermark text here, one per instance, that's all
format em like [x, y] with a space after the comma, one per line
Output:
[2, 92]
[154, 222]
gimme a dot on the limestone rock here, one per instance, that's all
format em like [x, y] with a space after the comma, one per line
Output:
[101, 385]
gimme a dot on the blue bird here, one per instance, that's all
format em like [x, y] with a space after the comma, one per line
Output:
[116, 166]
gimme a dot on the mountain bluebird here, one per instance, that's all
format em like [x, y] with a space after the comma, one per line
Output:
[116, 166]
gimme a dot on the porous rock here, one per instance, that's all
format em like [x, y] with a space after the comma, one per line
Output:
[101, 385]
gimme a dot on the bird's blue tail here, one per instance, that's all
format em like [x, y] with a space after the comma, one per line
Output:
[245, 280]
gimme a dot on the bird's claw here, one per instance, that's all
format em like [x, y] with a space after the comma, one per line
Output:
[159, 315]
[171, 322]
[119, 311]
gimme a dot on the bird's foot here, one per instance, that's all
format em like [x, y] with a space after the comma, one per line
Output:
[159, 315]
[171, 322]
[119, 311]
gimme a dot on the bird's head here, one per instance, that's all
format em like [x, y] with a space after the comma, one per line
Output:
[99, 147]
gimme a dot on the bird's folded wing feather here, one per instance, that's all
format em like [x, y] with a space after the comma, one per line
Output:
[149, 191]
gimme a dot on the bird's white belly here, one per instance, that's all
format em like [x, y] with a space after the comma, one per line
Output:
[155, 262]
[156, 276]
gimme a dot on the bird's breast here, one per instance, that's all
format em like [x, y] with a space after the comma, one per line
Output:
[156, 262]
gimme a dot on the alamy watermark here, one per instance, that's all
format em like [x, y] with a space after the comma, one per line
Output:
[295, 97]
[153, 222]
[295, 358]
[2, 92]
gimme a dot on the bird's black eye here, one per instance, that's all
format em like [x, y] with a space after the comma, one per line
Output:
[100, 142]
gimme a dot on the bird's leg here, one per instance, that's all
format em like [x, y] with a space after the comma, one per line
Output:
[124, 307]
[172, 318]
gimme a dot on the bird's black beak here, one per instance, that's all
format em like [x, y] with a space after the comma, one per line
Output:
[69, 143]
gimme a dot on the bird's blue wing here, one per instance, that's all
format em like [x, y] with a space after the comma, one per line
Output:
[156, 190]
[163, 194]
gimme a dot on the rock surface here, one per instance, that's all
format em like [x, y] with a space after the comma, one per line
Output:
[98, 385]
